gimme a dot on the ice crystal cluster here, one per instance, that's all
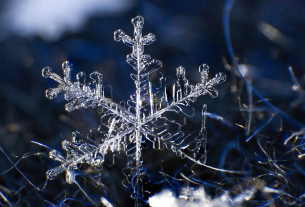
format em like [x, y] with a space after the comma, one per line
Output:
[145, 117]
[198, 197]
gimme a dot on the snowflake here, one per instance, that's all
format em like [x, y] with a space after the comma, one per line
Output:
[144, 118]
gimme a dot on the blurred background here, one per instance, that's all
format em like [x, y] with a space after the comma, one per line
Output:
[267, 38]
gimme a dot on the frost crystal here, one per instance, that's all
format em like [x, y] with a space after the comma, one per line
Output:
[197, 197]
[147, 116]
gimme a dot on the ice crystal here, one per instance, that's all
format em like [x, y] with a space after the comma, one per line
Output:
[238, 196]
[144, 118]
[198, 197]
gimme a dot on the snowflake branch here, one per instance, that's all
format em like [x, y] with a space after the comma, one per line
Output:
[83, 94]
[200, 89]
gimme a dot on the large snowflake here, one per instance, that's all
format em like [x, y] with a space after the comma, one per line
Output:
[147, 116]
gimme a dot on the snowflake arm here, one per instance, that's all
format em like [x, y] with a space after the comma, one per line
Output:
[80, 152]
[82, 94]
[203, 88]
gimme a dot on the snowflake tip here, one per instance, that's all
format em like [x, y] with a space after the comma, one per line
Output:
[204, 68]
[221, 77]
[51, 93]
[138, 21]
[118, 35]
[180, 71]
[67, 64]
[46, 72]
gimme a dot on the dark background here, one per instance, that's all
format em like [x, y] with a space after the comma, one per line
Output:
[267, 37]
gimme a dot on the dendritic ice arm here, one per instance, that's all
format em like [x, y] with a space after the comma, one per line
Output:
[205, 87]
[140, 101]
[81, 152]
[137, 59]
[165, 132]
[82, 94]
